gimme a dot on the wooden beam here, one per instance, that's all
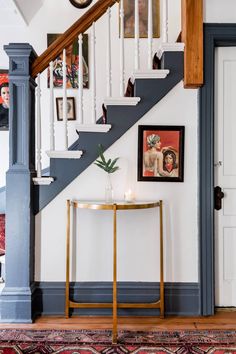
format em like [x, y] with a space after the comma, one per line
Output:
[192, 36]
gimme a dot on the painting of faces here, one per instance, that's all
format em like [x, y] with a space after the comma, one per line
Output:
[161, 153]
[4, 100]
[72, 64]
[129, 18]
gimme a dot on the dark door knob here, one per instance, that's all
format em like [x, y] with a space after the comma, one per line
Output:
[218, 196]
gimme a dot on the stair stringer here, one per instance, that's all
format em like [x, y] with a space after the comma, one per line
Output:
[121, 118]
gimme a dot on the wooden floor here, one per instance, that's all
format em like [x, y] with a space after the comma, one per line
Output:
[221, 320]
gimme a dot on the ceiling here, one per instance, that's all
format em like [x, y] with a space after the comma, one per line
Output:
[18, 12]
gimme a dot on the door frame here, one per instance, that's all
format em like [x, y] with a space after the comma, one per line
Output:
[215, 35]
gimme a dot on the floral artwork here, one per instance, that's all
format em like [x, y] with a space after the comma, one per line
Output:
[72, 64]
[161, 153]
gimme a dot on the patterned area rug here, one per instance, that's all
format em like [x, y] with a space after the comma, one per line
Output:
[93, 342]
[2, 234]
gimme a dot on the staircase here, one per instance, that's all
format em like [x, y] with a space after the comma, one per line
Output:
[121, 118]
[147, 89]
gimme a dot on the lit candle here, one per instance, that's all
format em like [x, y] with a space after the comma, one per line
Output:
[129, 196]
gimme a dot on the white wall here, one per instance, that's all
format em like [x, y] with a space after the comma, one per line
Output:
[218, 11]
[28, 9]
[137, 230]
[4, 148]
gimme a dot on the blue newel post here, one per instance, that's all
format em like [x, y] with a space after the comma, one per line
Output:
[16, 297]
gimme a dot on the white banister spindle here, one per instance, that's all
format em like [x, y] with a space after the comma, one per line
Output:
[39, 141]
[136, 35]
[52, 128]
[109, 93]
[80, 80]
[122, 79]
[65, 101]
[150, 34]
[165, 21]
[93, 74]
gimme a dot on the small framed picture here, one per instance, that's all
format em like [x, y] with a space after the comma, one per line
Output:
[70, 108]
[161, 153]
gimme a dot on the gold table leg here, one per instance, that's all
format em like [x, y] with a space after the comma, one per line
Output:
[114, 331]
[67, 260]
[161, 264]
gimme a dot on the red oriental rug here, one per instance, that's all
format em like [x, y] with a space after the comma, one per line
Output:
[93, 342]
[2, 234]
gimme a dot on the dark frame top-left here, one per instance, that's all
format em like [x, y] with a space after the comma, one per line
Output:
[80, 3]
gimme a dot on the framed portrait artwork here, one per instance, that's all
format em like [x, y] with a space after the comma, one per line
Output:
[72, 64]
[4, 100]
[129, 18]
[70, 108]
[161, 153]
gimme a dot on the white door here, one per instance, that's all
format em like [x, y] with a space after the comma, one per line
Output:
[225, 176]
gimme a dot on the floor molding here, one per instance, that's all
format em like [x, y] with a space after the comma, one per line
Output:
[180, 298]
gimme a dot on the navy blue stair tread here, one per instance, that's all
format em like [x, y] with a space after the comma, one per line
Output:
[121, 118]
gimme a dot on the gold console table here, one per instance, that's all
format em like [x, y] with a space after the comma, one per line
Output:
[95, 205]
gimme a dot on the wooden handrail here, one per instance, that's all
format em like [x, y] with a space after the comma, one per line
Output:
[67, 38]
[191, 35]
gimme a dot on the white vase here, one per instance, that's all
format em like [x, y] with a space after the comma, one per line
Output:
[109, 195]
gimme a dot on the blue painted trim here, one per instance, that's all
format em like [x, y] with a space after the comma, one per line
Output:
[45, 172]
[121, 118]
[215, 35]
[16, 304]
[180, 298]
[16, 296]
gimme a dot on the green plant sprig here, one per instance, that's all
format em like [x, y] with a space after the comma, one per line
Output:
[109, 165]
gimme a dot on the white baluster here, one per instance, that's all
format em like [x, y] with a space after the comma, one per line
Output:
[122, 48]
[165, 21]
[39, 141]
[150, 34]
[80, 80]
[136, 36]
[52, 128]
[65, 102]
[93, 75]
[109, 92]
[39, 180]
